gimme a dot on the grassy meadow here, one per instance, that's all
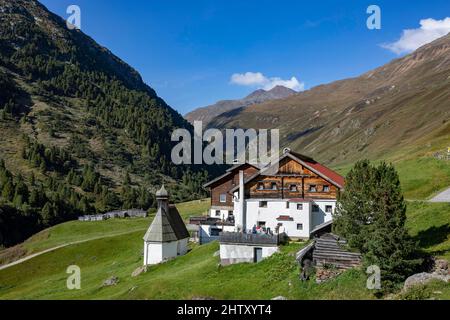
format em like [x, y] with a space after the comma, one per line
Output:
[421, 178]
[197, 274]
[76, 231]
[429, 224]
[114, 248]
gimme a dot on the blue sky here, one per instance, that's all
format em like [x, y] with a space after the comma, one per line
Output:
[189, 50]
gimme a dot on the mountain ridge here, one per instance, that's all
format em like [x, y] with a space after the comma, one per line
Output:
[394, 106]
[206, 114]
[81, 133]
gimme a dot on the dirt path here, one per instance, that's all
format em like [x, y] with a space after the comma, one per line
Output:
[442, 197]
[34, 255]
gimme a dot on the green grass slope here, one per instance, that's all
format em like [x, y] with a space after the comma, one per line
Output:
[198, 273]
[421, 176]
[195, 275]
[429, 224]
[75, 231]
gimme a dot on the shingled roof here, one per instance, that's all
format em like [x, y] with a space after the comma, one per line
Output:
[177, 223]
[166, 227]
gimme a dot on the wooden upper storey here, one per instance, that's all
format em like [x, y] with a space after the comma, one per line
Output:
[292, 181]
[295, 177]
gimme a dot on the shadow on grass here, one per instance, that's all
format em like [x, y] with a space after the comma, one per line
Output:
[433, 236]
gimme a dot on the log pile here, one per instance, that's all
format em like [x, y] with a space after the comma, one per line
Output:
[331, 251]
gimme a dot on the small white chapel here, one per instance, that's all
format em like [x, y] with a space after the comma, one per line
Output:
[167, 237]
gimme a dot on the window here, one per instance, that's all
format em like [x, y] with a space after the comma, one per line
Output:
[329, 209]
[326, 188]
[287, 205]
[300, 226]
[223, 198]
[312, 188]
[315, 208]
[293, 188]
[260, 186]
[299, 206]
[273, 186]
[217, 213]
[261, 224]
[215, 232]
[230, 213]
[263, 204]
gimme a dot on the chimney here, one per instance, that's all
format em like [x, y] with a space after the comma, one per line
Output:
[242, 201]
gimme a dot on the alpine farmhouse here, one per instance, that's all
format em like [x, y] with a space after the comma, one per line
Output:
[253, 210]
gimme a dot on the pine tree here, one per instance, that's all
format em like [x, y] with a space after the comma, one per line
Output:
[354, 211]
[390, 246]
[127, 180]
[84, 205]
[34, 200]
[8, 190]
[143, 200]
[18, 200]
[47, 214]
[32, 179]
[371, 215]
[21, 188]
[43, 166]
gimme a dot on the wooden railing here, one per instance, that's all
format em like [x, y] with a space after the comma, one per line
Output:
[249, 238]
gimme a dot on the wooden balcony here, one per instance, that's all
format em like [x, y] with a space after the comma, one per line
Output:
[250, 238]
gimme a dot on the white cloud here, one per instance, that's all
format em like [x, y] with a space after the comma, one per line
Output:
[248, 79]
[293, 84]
[411, 39]
[257, 79]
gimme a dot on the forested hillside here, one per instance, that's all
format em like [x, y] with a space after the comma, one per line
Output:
[80, 131]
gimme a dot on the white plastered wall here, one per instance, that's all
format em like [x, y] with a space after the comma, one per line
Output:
[242, 253]
[275, 209]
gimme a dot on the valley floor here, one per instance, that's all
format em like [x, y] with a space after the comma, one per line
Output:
[195, 275]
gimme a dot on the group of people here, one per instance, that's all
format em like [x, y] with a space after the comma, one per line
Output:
[261, 230]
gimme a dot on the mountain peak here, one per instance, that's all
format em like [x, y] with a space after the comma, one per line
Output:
[282, 90]
[277, 92]
[394, 105]
[206, 114]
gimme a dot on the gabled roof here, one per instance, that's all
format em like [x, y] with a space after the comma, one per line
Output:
[236, 166]
[227, 173]
[327, 173]
[177, 223]
[319, 169]
[166, 227]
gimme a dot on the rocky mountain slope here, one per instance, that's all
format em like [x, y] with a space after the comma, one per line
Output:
[206, 114]
[402, 105]
[80, 132]
[60, 88]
